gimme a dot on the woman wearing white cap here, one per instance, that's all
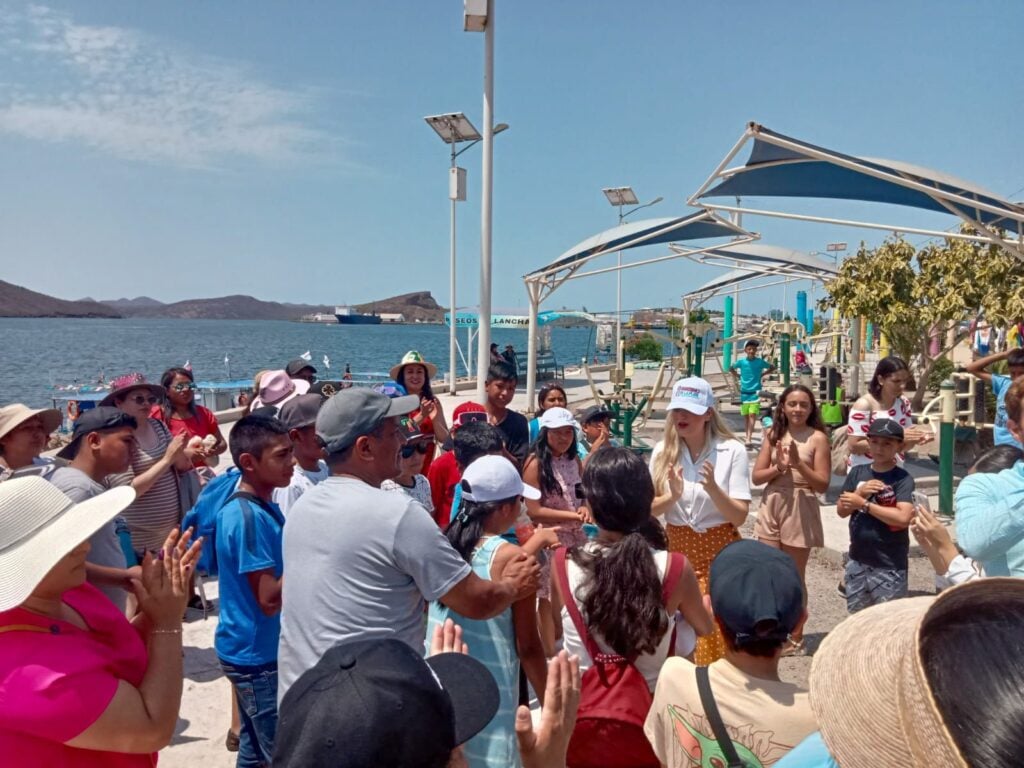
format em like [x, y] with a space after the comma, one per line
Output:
[702, 478]
[80, 687]
[23, 435]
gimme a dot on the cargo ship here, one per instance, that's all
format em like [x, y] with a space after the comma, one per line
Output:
[347, 316]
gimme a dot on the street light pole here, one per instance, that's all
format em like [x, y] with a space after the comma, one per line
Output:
[620, 196]
[455, 128]
[483, 361]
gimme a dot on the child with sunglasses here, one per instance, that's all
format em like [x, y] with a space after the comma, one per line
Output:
[410, 463]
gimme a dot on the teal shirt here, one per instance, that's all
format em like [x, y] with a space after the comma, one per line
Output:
[750, 376]
[989, 520]
[809, 753]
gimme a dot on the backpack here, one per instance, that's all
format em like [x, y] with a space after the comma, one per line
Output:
[203, 516]
[614, 697]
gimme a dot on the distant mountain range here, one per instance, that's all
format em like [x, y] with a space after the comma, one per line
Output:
[16, 301]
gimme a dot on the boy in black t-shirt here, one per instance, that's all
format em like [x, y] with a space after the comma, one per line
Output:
[501, 383]
[877, 499]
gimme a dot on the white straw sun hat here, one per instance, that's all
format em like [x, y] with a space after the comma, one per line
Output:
[39, 525]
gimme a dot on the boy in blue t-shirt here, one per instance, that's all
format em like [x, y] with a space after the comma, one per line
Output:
[1015, 363]
[877, 497]
[248, 544]
[750, 370]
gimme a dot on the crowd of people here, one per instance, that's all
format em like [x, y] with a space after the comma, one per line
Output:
[396, 587]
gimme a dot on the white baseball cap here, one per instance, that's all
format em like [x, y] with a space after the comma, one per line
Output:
[692, 394]
[553, 418]
[494, 478]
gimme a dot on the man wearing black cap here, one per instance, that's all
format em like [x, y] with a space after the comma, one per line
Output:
[364, 559]
[300, 368]
[101, 445]
[596, 422]
[758, 601]
[299, 417]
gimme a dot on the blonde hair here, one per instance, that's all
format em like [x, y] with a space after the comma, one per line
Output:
[672, 446]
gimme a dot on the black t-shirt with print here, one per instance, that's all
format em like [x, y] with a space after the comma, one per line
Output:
[515, 429]
[873, 542]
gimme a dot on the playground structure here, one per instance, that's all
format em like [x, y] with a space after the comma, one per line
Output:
[783, 167]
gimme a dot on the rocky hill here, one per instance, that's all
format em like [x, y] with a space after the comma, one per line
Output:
[225, 308]
[16, 301]
[417, 307]
[127, 305]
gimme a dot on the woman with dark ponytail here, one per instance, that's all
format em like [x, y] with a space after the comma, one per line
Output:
[617, 580]
[492, 492]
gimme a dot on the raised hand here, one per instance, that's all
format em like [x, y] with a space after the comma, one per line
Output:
[546, 747]
[447, 638]
[523, 571]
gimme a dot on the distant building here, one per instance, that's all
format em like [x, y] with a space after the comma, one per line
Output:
[392, 317]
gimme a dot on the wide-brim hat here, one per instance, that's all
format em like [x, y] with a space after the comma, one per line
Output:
[412, 357]
[277, 388]
[39, 525]
[122, 385]
[869, 691]
[14, 415]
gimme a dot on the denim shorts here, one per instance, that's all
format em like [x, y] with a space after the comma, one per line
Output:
[256, 692]
[867, 585]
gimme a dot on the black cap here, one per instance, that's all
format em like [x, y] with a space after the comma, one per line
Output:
[378, 703]
[98, 419]
[300, 411]
[756, 591]
[593, 413]
[296, 366]
[886, 428]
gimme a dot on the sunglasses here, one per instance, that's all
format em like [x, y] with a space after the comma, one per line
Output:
[184, 387]
[144, 400]
[409, 450]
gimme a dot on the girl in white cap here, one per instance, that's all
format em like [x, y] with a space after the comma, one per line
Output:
[492, 492]
[82, 687]
[702, 481]
[555, 468]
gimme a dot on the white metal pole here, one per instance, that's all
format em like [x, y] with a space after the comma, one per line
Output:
[484, 330]
[618, 309]
[533, 290]
[452, 341]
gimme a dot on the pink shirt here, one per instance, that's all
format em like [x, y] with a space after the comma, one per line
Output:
[56, 680]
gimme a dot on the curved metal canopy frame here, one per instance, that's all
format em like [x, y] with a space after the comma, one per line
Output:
[781, 166]
[541, 283]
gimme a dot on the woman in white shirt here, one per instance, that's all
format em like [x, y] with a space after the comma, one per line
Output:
[702, 481]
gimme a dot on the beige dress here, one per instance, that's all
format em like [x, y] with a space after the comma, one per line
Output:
[790, 512]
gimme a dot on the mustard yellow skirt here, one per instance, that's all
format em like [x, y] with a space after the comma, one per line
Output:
[700, 549]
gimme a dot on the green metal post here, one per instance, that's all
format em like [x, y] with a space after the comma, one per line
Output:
[784, 359]
[727, 332]
[616, 409]
[946, 447]
[689, 356]
[698, 355]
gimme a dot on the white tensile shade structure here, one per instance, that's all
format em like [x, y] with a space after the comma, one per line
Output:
[751, 261]
[780, 166]
[541, 283]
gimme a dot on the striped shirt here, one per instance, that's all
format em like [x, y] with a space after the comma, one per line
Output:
[152, 515]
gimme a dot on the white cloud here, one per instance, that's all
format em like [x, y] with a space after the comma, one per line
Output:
[125, 93]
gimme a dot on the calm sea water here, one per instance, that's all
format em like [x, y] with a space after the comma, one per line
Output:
[37, 354]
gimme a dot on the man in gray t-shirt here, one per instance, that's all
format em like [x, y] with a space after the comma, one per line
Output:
[101, 445]
[360, 562]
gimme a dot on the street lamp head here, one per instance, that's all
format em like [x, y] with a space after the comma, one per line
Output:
[499, 128]
[658, 199]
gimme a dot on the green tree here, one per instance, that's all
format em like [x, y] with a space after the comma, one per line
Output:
[643, 346]
[913, 296]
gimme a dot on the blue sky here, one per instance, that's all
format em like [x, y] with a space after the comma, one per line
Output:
[279, 149]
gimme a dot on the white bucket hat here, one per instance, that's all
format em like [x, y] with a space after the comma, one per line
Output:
[494, 478]
[39, 525]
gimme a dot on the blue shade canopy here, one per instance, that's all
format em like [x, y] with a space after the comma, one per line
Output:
[801, 169]
[697, 226]
[470, 318]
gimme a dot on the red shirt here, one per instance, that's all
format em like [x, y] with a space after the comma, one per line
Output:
[201, 424]
[56, 680]
[427, 428]
[443, 475]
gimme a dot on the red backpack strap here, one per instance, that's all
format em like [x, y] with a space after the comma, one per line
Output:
[673, 573]
[561, 571]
